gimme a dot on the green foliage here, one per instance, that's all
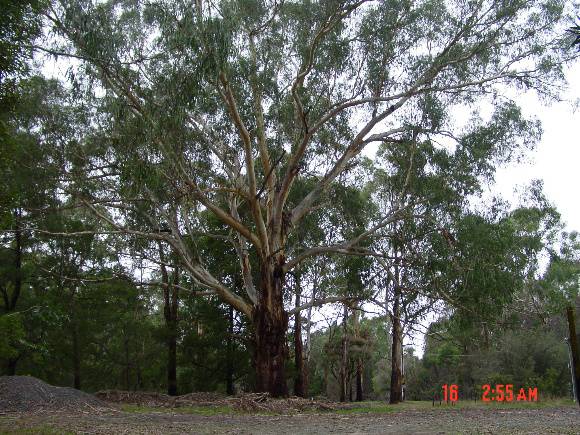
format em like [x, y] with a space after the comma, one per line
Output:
[12, 335]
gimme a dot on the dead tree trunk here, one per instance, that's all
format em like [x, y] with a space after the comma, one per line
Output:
[570, 314]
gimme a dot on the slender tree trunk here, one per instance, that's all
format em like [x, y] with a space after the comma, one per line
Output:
[10, 300]
[299, 387]
[76, 360]
[17, 265]
[170, 312]
[127, 362]
[76, 351]
[171, 307]
[359, 361]
[11, 366]
[397, 351]
[344, 359]
[270, 327]
[359, 381]
[172, 362]
[230, 362]
[308, 334]
[570, 314]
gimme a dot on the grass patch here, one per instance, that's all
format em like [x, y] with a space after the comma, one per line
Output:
[42, 430]
[368, 409]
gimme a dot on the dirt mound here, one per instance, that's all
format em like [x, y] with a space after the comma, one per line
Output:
[247, 402]
[25, 393]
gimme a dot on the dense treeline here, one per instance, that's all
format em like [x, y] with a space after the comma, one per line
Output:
[191, 206]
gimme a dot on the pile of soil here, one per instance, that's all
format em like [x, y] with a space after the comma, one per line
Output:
[247, 402]
[25, 394]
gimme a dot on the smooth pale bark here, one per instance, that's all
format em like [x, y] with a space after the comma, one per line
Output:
[574, 348]
[397, 351]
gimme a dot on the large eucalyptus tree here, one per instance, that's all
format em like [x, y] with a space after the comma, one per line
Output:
[225, 106]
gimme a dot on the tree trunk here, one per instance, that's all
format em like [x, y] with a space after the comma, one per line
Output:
[11, 366]
[270, 327]
[76, 357]
[359, 362]
[344, 359]
[17, 265]
[397, 351]
[299, 389]
[74, 329]
[127, 362]
[570, 314]
[172, 362]
[171, 319]
[10, 300]
[170, 312]
[359, 381]
[306, 372]
[230, 362]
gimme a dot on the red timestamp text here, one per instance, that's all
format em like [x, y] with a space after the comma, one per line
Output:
[450, 393]
[506, 393]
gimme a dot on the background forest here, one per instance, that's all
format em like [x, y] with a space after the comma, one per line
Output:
[275, 196]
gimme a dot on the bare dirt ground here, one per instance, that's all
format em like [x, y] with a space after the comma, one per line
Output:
[28, 405]
[405, 420]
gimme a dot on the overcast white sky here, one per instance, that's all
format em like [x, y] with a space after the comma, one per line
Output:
[556, 160]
